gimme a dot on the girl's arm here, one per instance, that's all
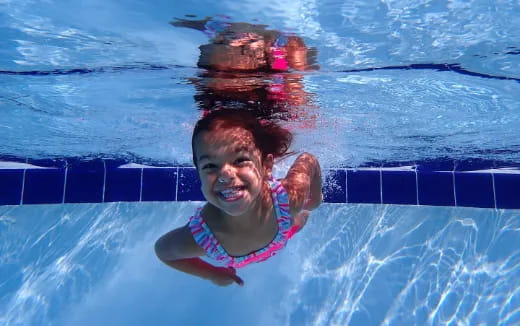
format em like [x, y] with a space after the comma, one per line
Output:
[178, 250]
[303, 184]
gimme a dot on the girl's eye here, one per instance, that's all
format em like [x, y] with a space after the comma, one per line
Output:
[208, 166]
[242, 160]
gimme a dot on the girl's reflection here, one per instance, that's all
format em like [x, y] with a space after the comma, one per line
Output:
[251, 67]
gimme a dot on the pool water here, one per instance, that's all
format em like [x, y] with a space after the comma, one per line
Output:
[352, 265]
[398, 81]
[117, 78]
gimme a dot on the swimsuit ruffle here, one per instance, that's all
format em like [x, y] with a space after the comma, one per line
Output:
[214, 250]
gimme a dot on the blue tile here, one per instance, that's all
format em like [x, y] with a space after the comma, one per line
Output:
[474, 189]
[159, 184]
[85, 182]
[507, 190]
[189, 185]
[363, 186]
[44, 186]
[122, 184]
[334, 186]
[435, 188]
[11, 186]
[399, 187]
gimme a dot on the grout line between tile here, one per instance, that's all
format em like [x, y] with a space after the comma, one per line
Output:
[416, 186]
[64, 185]
[177, 185]
[381, 185]
[454, 187]
[346, 188]
[23, 187]
[104, 180]
[494, 192]
[141, 186]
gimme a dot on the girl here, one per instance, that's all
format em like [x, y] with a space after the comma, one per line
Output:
[249, 216]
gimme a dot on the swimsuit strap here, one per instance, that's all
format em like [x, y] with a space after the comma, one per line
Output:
[205, 238]
[280, 54]
[280, 205]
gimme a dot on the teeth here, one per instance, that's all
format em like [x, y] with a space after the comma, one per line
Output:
[227, 191]
[231, 192]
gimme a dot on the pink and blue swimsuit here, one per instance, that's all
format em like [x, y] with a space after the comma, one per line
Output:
[207, 240]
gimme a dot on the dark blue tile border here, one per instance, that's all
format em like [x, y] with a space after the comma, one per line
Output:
[507, 190]
[11, 184]
[474, 189]
[159, 184]
[189, 185]
[399, 187]
[123, 184]
[44, 186]
[440, 182]
[435, 188]
[335, 186]
[363, 186]
[85, 181]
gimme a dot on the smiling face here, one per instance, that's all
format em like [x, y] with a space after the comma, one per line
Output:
[230, 168]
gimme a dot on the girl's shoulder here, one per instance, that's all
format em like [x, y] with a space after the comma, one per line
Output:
[297, 182]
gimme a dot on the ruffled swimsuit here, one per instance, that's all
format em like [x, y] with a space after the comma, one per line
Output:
[205, 238]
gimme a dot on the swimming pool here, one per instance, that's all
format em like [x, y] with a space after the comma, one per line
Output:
[426, 87]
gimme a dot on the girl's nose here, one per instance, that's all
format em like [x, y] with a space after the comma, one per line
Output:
[227, 174]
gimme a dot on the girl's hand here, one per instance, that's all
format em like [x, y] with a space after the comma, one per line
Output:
[301, 219]
[310, 202]
[225, 276]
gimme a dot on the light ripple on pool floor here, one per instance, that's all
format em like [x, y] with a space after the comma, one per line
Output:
[424, 269]
[351, 265]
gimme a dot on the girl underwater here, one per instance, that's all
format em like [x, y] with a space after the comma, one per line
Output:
[248, 216]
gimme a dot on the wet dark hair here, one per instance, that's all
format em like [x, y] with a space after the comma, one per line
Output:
[269, 137]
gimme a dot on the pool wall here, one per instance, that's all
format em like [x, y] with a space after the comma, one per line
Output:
[440, 182]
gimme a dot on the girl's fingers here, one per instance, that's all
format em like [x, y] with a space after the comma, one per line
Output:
[238, 280]
[235, 277]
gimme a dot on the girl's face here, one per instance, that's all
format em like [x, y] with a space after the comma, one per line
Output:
[230, 168]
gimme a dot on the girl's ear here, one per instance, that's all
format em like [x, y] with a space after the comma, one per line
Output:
[268, 164]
